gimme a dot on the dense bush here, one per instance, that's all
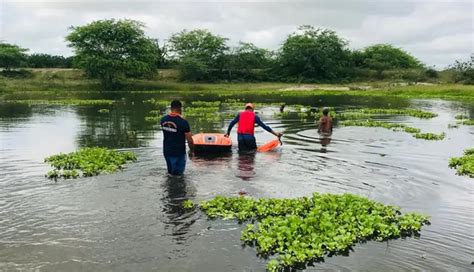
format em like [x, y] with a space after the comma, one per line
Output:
[48, 61]
[11, 56]
[193, 69]
[464, 71]
[21, 73]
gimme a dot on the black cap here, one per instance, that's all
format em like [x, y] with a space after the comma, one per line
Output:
[176, 104]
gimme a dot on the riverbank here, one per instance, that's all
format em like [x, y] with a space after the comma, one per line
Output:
[62, 81]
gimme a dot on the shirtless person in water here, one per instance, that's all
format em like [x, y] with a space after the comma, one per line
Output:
[325, 122]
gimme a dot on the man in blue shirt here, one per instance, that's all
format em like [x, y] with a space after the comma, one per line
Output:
[245, 131]
[176, 131]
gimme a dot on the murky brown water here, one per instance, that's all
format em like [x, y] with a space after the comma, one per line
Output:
[133, 220]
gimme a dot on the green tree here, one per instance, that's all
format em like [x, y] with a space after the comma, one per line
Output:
[11, 56]
[464, 71]
[382, 57]
[247, 56]
[313, 54]
[193, 69]
[114, 49]
[199, 44]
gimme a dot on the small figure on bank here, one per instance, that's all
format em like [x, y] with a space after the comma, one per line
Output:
[246, 127]
[176, 131]
[325, 123]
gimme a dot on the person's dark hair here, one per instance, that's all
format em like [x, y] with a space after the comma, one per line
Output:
[325, 111]
[176, 104]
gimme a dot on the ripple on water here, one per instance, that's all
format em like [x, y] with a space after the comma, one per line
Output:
[134, 220]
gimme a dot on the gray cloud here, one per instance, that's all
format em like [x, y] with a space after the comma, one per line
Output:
[437, 32]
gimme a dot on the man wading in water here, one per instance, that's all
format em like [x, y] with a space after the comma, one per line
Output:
[176, 131]
[325, 123]
[245, 131]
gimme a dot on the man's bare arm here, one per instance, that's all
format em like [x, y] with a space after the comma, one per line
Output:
[189, 138]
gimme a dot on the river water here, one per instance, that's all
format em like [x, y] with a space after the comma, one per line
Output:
[133, 220]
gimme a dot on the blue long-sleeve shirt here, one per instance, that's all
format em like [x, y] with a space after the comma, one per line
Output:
[257, 120]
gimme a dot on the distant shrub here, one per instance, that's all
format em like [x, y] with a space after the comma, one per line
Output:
[21, 73]
[431, 73]
[464, 71]
[192, 69]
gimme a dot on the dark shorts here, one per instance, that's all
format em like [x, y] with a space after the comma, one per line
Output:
[246, 142]
[176, 164]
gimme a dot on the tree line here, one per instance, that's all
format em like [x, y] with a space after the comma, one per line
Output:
[113, 50]
[13, 56]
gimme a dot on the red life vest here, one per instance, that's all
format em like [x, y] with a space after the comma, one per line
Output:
[246, 122]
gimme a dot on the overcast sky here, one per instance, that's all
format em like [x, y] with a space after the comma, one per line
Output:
[435, 31]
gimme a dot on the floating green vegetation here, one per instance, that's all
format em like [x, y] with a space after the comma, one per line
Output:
[89, 161]
[188, 204]
[158, 103]
[104, 111]
[350, 115]
[201, 111]
[461, 116]
[464, 165]
[394, 126]
[152, 119]
[469, 122]
[430, 136]
[410, 112]
[306, 112]
[79, 102]
[372, 123]
[303, 230]
[205, 103]
[155, 112]
[411, 130]
[464, 120]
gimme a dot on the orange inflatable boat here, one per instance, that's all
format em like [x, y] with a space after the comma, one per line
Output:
[211, 143]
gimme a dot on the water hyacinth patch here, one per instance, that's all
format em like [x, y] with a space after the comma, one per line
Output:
[461, 116]
[300, 231]
[415, 132]
[464, 165]
[371, 123]
[155, 112]
[430, 136]
[103, 111]
[158, 103]
[205, 103]
[409, 112]
[75, 102]
[188, 204]
[89, 161]
[469, 122]
[152, 119]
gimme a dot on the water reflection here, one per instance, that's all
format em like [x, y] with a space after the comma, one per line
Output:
[325, 140]
[246, 165]
[178, 220]
[122, 127]
[387, 166]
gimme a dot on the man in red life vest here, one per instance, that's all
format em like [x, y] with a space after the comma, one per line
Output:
[245, 131]
[325, 123]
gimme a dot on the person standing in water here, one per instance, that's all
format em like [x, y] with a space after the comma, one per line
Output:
[325, 122]
[246, 128]
[176, 131]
